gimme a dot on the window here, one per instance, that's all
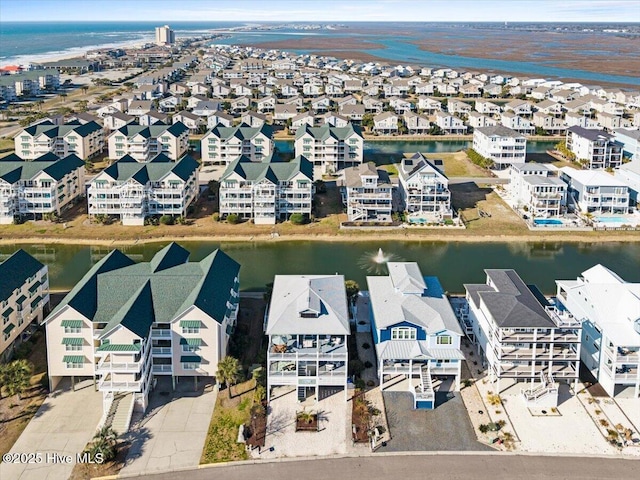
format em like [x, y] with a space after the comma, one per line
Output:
[191, 330]
[68, 329]
[74, 365]
[190, 366]
[444, 340]
[73, 348]
[403, 333]
[190, 348]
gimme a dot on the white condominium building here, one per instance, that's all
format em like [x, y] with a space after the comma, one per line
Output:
[84, 140]
[595, 149]
[223, 145]
[330, 148]
[29, 190]
[144, 142]
[133, 191]
[266, 191]
[536, 190]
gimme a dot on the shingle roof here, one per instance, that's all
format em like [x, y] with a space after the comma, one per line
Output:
[120, 292]
[15, 270]
[353, 175]
[15, 170]
[499, 130]
[592, 134]
[271, 168]
[510, 302]
[325, 131]
[155, 170]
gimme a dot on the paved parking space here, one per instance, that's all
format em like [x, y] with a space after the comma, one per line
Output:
[173, 431]
[63, 425]
[282, 439]
[445, 428]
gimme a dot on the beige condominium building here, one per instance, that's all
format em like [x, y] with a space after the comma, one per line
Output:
[126, 322]
[144, 142]
[84, 140]
[24, 299]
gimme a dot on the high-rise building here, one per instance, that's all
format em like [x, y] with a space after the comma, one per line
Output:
[165, 36]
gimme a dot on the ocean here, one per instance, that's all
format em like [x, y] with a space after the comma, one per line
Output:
[541, 50]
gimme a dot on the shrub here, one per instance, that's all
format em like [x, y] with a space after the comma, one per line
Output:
[356, 366]
[297, 219]
[604, 423]
[166, 220]
[484, 428]
[181, 220]
[478, 159]
[215, 217]
[233, 219]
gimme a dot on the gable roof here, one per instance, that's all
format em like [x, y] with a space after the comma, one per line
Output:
[15, 270]
[271, 168]
[17, 169]
[155, 170]
[326, 131]
[406, 296]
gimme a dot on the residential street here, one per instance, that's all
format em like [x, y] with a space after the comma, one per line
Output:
[421, 467]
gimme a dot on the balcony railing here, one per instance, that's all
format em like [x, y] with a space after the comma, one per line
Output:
[161, 350]
[119, 366]
[160, 333]
[115, 386]
[161, 368]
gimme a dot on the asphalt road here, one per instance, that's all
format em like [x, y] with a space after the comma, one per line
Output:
[422, 467]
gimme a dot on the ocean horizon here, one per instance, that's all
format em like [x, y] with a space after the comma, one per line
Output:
[26, 42]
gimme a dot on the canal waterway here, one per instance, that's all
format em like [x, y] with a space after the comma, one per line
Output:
[454, 263]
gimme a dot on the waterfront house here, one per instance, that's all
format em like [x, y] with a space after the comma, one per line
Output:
[488, 108]
[458, 106]
[219, 118]
[415, 332]
[521, 108]
[24, 300]
[222, 145]
[125, 323]
[500, 144]
[144, 142]
[367, 192]
[630, 141]
[330, 148]
[629, 174]
[84, 140]
[551, 124]
[593, 191]
[416, 124]
[609, 309]
[192, 121]
[478, 120]
[424, 189]
[386, 123]
[429, 105]
[133, 191]
[353, 112]
[536, 190]
[594, 149]
[307, 326]
[333, 119]
[266, 191]
[31, 190]
[521, 337]
[580, 120]
[116, 120]
[449, 124]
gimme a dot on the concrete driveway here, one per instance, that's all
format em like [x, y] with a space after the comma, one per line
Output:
[172, 433]
[64, 424]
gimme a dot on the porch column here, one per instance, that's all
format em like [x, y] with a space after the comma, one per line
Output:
[458, 375]
[410, 373]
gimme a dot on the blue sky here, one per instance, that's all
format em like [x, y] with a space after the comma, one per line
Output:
[322, 10]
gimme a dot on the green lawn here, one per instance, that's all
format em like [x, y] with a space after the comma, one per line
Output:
[457, 164]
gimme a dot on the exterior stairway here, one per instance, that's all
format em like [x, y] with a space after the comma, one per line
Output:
[119, 416]
[543, 395]
[424, 395]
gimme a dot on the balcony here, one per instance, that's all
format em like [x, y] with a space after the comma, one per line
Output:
[162, 369]
[116, 386]
[161, 351]
[130, 367]
[160, 333]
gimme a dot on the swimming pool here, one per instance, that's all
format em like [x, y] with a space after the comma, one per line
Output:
[547, 221]
[612, 220]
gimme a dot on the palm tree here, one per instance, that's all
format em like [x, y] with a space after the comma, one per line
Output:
[16, 377]
[352, 290]
[228, 372]
[104, 443]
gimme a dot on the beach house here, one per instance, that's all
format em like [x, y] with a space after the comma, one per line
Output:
[223, 145]
[609, 309]
[307, 325]
[521, 337]
[500, 144]
[593, 191]
[415, 331]
[424, 189]
[367, 193]
[537, 190]
[594, 149]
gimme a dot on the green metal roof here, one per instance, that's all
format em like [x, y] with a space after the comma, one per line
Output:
[193, 342]
[8, 328]
[113, 347]
[73, 359]
[18, 169]
[72, 323]
[271, 168]
[15, 270]
[7, 312]
[21, 299]
[153, 171]
[36, 301]
[190, 323]
[190, 359]
[72, 341]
